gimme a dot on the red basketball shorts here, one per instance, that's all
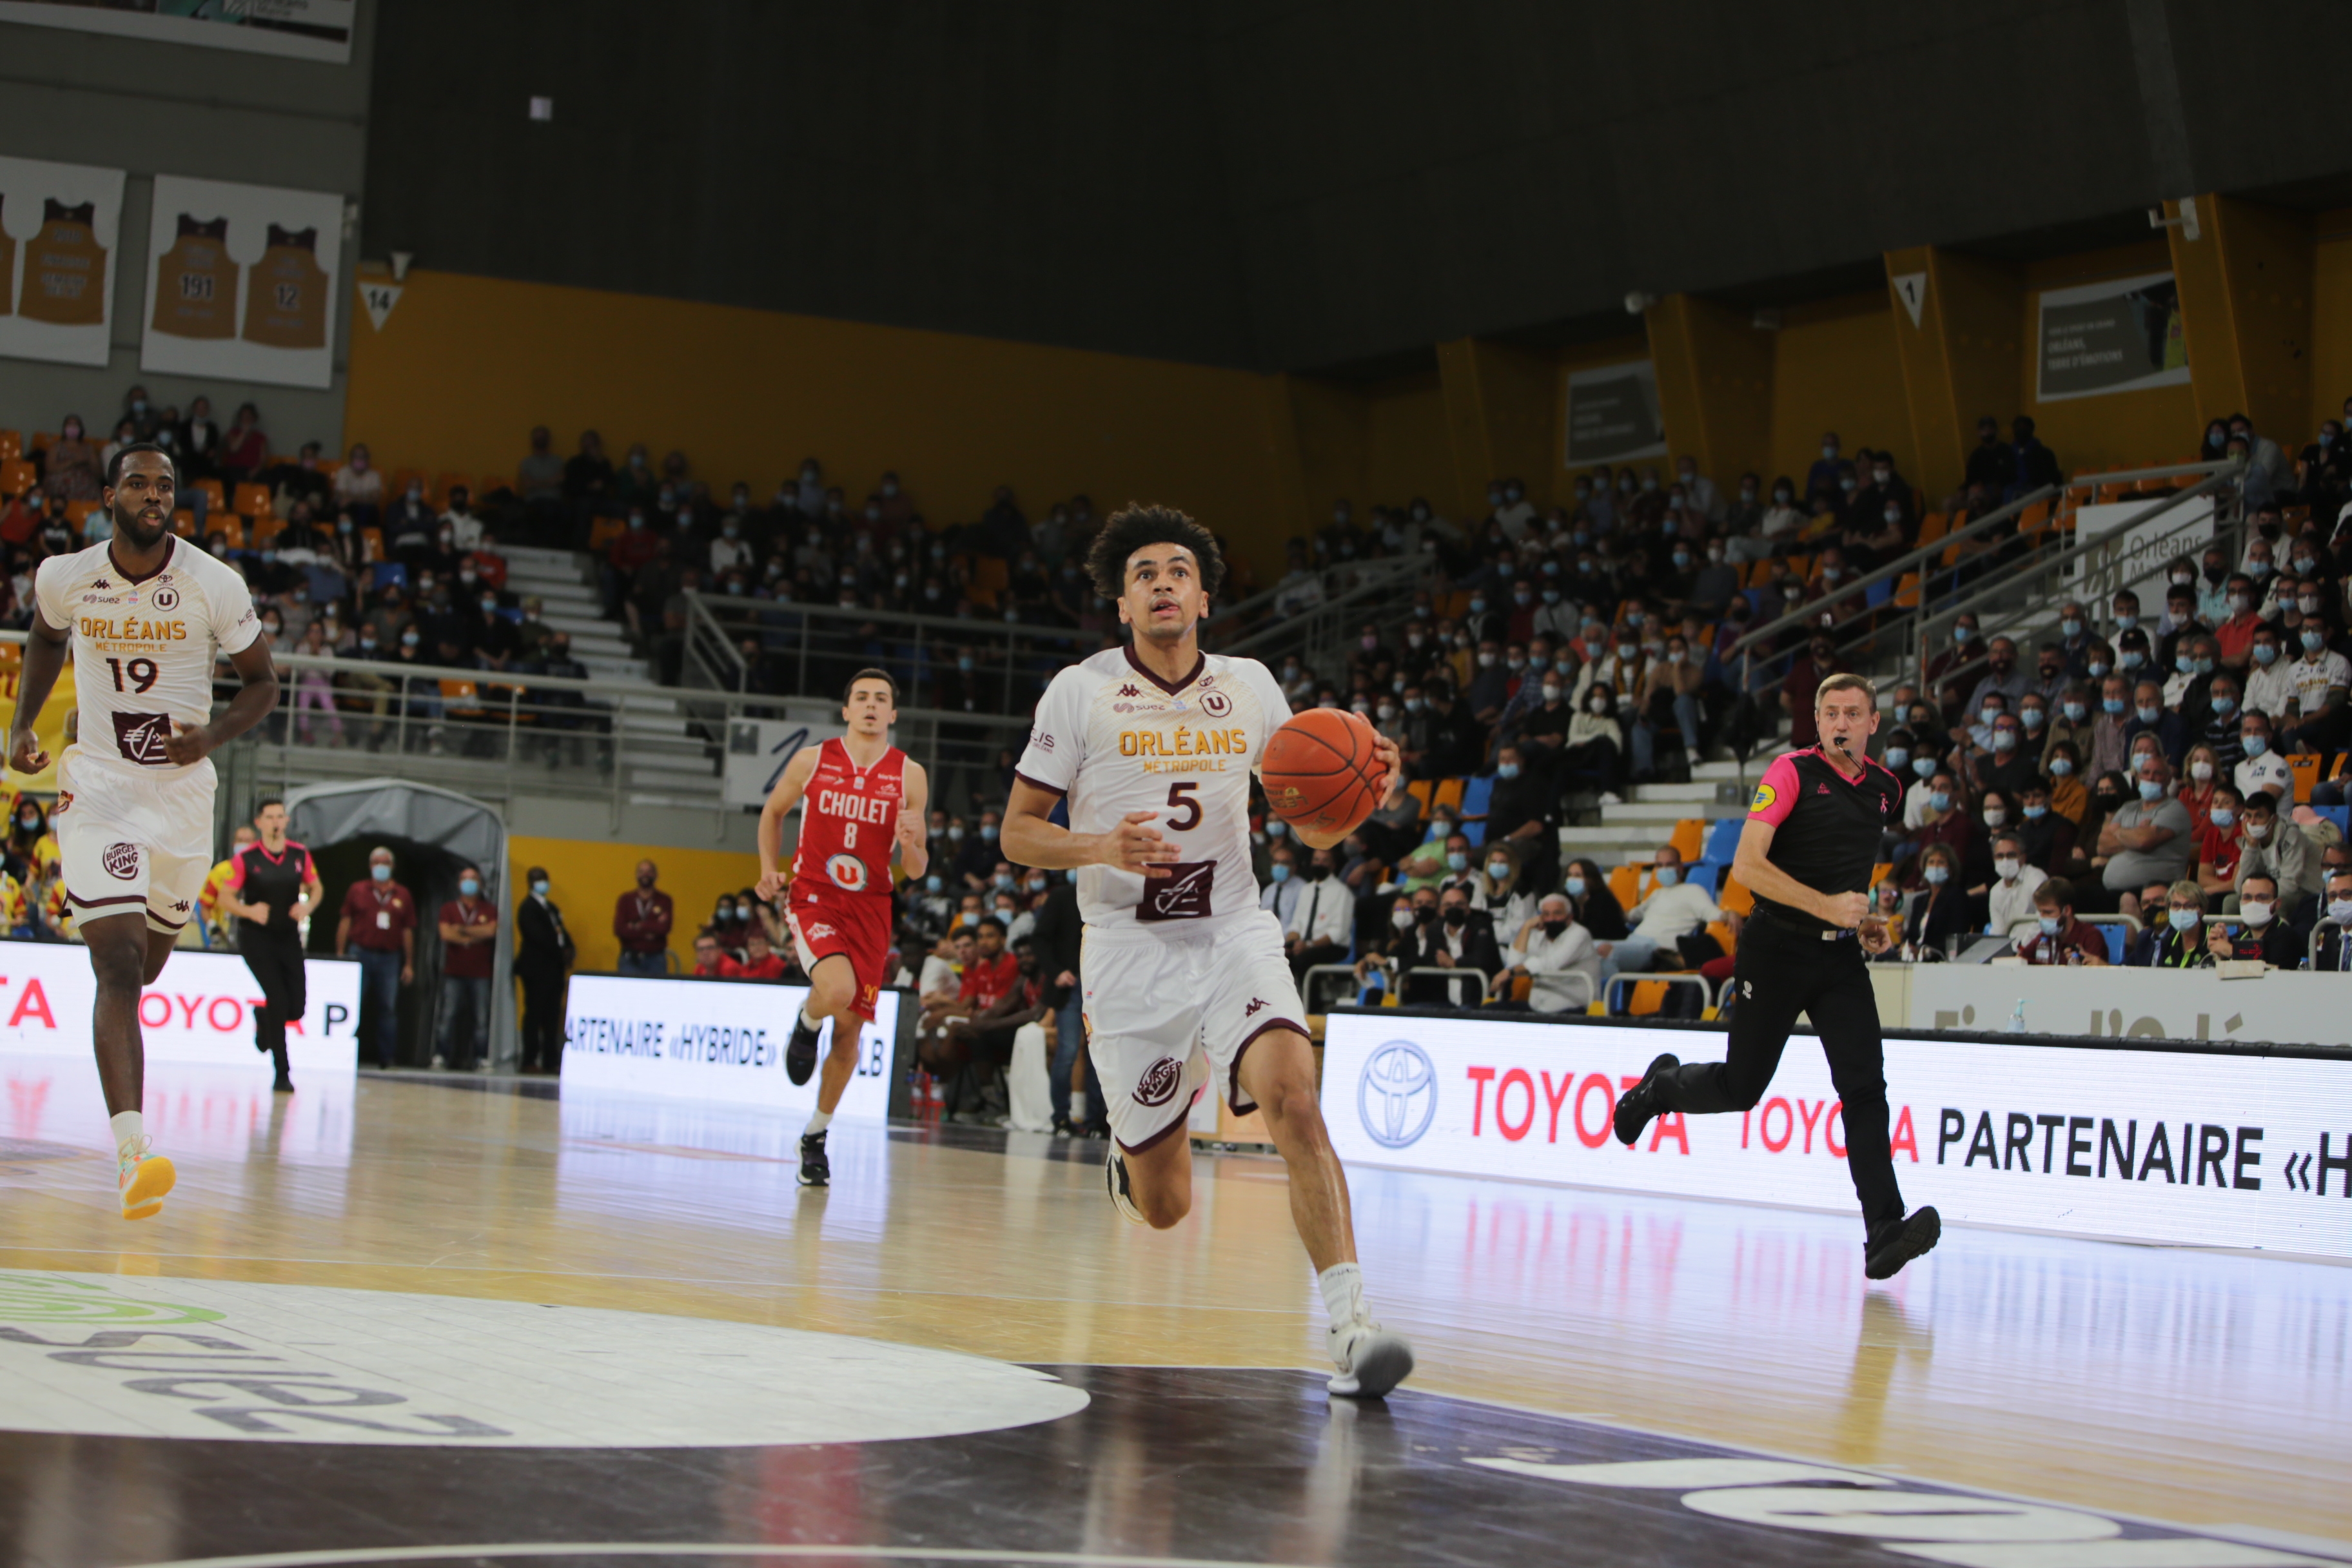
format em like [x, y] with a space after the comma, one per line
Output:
[826, 923]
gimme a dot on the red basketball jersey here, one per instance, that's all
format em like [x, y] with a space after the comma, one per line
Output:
[850, 821]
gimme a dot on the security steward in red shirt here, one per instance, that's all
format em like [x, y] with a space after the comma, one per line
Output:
[1806, 853]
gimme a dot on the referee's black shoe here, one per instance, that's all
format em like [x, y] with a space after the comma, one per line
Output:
[800, 1051]
[1641, 1101]
[1899, 1241]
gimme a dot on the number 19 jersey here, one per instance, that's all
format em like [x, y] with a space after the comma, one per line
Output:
[142, 649]
[1112, 738]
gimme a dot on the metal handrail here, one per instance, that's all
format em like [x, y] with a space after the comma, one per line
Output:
[1895, 568]
[2005, 586]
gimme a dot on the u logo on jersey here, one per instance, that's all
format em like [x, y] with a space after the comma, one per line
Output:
[846, 871]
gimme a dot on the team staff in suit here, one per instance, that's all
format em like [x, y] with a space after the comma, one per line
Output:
[544, 953]
[1459, 938]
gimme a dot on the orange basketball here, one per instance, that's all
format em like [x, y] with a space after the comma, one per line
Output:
[1321, 771]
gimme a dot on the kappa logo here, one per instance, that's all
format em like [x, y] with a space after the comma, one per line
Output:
[1159, 1082]
[1130, 690]
[1252, 1010]
[819, 933]
[101, 583]
[120, 860]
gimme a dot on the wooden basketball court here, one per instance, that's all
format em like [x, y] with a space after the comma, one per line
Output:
[354, 1286]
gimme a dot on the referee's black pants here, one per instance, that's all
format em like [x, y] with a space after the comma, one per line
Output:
[1780, 973]
[275, 959]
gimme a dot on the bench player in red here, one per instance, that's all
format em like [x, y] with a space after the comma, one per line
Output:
[862, 798]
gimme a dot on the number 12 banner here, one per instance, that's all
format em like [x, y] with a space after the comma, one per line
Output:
[241, 282]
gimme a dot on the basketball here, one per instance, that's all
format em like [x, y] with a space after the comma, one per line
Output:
[1322, 771]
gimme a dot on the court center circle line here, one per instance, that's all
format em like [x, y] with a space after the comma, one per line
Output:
[360, 1554]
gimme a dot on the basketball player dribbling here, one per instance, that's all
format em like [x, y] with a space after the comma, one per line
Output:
[135, 814]
[1186, 984]
[862, 798]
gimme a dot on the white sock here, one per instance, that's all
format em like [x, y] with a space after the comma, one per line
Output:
[1343, 1293]
[818, 1122]
[812, 1024]
[130, 1127]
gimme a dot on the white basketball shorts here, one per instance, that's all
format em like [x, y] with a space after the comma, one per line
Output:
[130, 843]
[1169, 1010]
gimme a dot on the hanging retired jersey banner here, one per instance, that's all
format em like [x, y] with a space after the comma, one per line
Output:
[59, 226]
[241, 282]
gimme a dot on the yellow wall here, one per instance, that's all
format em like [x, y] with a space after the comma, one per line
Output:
[1407, 453]
[465, 366]
[1835, 367]
[584, 877]
[2144, 428]
[2331, 336]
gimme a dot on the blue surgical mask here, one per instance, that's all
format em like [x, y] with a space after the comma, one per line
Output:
[2264, 653]
[2133, 660]
[2150, 791]
[1940, 799]
[381, 873]
[1897, 756]
[1668, 876]
[1457, 862]
[933, 883]
[2071, 626]
[2049, 925]
[1507, 770]
[1575, 886]
[2184, 919]
[1961, 633]
[468, 886]
[2222, 817]
[2204, 667]
[2004, 740]
[2314, 640]
[2098, 668]
[2126, 622]
[2149, 715]
[2033, 718]
[539, 886]
[2256, 745]
[1281, 873]
[2036, 812]
[2076, 712]
[2113, 705]
[2185, 665]
[1937, 876]
[1923, 766]
[1276, 827]
[2060, 767]
[988, 832]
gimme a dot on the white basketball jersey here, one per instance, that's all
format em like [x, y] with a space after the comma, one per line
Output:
[142, 649]
[1112, 738]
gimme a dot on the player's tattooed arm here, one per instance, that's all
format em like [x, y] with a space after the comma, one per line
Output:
[791, 785]
[45, 656]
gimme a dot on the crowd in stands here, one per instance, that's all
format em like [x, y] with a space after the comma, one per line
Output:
[2141, 760]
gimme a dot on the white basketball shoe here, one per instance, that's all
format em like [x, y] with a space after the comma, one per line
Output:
[1371, 1360]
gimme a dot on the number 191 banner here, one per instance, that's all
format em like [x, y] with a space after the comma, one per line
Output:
[712, 1039]
[2182, 1147]
[241, 282]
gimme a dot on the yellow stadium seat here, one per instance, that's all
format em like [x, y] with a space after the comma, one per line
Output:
[1880, 872]
[213, 497]
[253, 501]
[264, 529]
[601, 532]
[77, 513]
[229, 526]
[373, 538]
[1649, 996]
[16, 477]
[1449, 792]
[2306, 768]
[989, 577]
[11, 446]
[1624, 885]
[1688, 839]
[184, 524]
[1423, 790]
[1735, 898]
[1906, 591]
[462, 699]
[1933, 527]
[1721, 932]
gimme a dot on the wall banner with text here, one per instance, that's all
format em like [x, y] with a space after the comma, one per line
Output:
[59, 228]
[241, 282]
[1613, 415]
[2183, 1148]
[2117, 336]
[294, 29]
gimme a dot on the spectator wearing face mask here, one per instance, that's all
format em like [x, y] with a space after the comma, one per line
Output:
[2010, 894]
[2150, 717]
[2333, 955]
[2275, 848]
[1556, 957]
[2147, 839]
[2265, 935]
[2173, 930]
[1940, 909]
[544, 953]
[2046, 837]
[2320, 679]
[2221, 842]
[1458, 938]
[2059, 937]
[1668, 705]
[1671, 910]
[976, 860]
[2263, 767]
[1943, 821]
[1497, 893]
[469, 933]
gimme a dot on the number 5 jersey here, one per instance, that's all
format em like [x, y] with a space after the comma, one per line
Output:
[143, 649]
[1113, 738]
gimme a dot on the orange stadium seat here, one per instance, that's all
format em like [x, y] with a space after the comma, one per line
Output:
[214, 496]
[1625, 885]
[230, 527]
[184, 524]
[77, 513]
[11, 446]
[1735, 898]
[253, 501]
[444, 483]
[16, 477]
[1688, 838]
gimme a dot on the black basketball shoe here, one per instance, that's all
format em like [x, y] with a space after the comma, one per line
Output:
[800, 1051]
[1899, 1241]
[816, 1170]
[1641, 1101]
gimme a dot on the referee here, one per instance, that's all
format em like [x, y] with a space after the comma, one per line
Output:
[1812, 838]
[272, 885]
